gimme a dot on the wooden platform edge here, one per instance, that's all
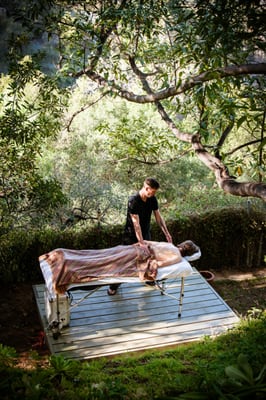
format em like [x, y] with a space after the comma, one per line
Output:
[89, 352]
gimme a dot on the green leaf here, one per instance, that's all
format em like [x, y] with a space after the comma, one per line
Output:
[234, 373]
[260, 377]
[245, 367]
[241, 120]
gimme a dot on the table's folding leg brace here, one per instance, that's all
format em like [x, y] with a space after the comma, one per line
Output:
[161, 286]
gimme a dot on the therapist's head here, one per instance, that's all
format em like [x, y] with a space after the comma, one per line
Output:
[150, 187]
[188, 248]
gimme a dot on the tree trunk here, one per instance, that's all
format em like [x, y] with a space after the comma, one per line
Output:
[226, 182]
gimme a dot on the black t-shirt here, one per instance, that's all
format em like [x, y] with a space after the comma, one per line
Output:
[143, 209]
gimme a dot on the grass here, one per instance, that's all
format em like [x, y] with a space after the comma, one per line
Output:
[161, 374]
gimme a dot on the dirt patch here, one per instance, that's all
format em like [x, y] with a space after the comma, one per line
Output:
[229, 274]
[21, 329]
[20, 325]
[244, 297]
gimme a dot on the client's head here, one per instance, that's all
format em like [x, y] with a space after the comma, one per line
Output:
[188, 248]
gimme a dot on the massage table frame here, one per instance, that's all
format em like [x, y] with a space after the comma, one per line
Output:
[60, 319]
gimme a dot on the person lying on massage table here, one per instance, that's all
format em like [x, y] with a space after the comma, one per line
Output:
[70, 267]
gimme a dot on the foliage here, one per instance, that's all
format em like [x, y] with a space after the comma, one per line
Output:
[124, 49]
[7, 356]
[241, 383]
[106, 141]
[30, 109]
[242, 374]
[114, 157]
[177, 51]
[205, 368]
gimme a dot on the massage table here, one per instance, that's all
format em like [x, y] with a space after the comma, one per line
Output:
[58, 301]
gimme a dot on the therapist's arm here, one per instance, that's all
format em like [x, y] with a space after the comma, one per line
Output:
[137, 228]
[161, 222]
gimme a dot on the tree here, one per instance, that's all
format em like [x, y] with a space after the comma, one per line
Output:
[30, 111]
[201, 59]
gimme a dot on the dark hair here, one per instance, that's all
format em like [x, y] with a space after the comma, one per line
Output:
[188, 248]
[152, 183]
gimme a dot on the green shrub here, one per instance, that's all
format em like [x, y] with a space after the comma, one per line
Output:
[227, 239]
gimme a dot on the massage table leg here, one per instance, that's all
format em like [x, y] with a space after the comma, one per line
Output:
[59, 316]
[161, 286]
[181, 296]
[57, 310]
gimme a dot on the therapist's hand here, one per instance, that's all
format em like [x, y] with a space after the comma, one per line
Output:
[169, 238]
[145, 247]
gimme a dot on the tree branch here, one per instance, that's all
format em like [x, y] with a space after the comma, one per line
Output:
[227, 183]
[159, 162]
[67, 127]
[172, 91]
[243, 145]
[222, 139]
[185, 137]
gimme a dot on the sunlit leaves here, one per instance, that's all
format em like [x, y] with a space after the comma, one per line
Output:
[128, 138]
[31, 108]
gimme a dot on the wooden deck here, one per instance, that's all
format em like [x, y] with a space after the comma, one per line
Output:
[138, 318]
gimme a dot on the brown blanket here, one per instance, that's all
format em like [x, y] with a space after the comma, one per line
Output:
[80, 266]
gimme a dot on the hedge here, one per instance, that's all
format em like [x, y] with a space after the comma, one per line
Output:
[230, 238]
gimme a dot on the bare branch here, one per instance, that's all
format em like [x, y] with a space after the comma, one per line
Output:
[222, 139]
[159, 162]
[185, 137]
[242, 146]
[67, 127]
[227, 183]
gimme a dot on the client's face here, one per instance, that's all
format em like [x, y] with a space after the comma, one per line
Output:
[187, 248]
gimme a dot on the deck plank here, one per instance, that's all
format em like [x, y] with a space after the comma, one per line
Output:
[137, 318]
